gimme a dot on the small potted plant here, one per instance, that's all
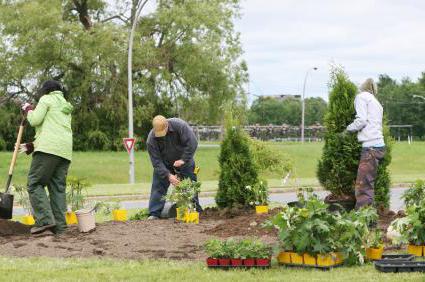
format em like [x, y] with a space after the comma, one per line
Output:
[76, 198]
[374, 245]
[233, 248]
[263, 254]
[247, 252]
[214, 250]
[183, 195]
[412, 229]
[260, 197]
[24, 201]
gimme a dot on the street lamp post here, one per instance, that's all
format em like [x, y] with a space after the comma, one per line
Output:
[132, 178]
[303, 104]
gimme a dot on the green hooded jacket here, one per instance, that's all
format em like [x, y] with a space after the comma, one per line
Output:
[52, 121]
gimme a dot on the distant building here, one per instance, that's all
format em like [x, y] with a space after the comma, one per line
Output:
[283, 97]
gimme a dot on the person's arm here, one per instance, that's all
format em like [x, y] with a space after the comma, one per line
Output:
[360, 122]
[36, 117]
[156, 161]
[189, 142]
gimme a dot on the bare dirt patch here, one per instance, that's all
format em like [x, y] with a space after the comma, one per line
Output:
[134, 239]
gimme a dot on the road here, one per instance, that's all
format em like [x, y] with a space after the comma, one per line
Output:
[396, 201]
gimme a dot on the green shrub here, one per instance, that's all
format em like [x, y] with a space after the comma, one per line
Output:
[140, 215]
[412, 227]
[98, 141]
[337, 169]
[268, 160]
[214, 248]
[237, 170]
[76, 196]
[183, 195]
[415, 194]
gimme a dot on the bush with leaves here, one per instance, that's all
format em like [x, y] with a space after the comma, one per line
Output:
[260, 196]
[23, 198]
[183, 195]
[314, 230]
[140, 215]
[337, 168]
[269, 161]
[76, 196]
[237, 170]
[411, 227]
[415, 194]
[232, 248]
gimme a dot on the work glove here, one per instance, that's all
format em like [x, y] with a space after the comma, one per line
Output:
[26, 148]
[27, 107]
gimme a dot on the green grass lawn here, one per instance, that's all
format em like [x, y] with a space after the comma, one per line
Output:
[50, 269]
[108, 171]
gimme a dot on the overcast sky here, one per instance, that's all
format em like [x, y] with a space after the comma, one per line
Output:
[282, 39]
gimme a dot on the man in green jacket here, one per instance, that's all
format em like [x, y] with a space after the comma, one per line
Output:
[51, 158]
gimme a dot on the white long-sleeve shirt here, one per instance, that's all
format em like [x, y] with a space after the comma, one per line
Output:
[368, 122]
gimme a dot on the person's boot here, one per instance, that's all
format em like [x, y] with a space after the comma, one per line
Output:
[41, 229]
[153, 217]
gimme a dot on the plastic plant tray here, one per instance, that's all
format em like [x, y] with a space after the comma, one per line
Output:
[312, 266]
[228, 267]
[397, 257]
[400, 266]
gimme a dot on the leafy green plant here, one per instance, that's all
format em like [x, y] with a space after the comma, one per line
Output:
[314, 230]
[140, 215]
[259, 194]
[414, 194]
[261, 250]
[268, 160]
[412, 227]
[23, 198]
[374, 239]
[237, 170]
[107, 207]
[183, 195]
[215, 248]
[76, 196]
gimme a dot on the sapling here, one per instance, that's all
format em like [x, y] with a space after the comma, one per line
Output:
[374, 239]
[183, 195]
[414, 194]
[258, 193]
[23, 198]
[76, 196]
[214, 248]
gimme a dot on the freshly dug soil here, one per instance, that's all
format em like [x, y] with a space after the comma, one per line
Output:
[134, 239]
[13, 228]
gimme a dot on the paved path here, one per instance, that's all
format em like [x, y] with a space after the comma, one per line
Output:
[396, 201]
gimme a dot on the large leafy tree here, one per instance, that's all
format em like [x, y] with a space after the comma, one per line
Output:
[186, 55]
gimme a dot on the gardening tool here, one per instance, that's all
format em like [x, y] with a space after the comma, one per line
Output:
[6, 199]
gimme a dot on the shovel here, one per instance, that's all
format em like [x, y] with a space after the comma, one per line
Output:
[6, 199]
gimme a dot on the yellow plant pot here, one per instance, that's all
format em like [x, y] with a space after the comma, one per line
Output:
[284, 258]
[261, 209]
[326, 260]
[309, 260]
[182, 216]
[71, 218]
[374, 253]
[296, 258]
[119, 215]
[192, 217]
[28, 220]
[415, 250]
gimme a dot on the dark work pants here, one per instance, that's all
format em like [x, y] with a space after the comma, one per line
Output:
[366, 175]
[51, 171]
[160, 188]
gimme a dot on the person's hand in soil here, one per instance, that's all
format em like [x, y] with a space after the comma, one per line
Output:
[174, 179]
[178, 163]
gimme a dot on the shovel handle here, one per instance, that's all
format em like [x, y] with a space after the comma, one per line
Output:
[15, 153]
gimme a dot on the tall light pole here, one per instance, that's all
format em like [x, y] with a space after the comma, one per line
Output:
[132, 178]
[303, 104]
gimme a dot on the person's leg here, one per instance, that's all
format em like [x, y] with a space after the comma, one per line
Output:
[57, 194]
[189, 172]
[366, 175]
[158, 191]
[42, 167]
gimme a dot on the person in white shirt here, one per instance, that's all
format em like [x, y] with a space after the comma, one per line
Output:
[368, 125]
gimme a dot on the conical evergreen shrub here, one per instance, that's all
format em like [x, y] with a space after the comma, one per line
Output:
[237, 170]
[337, 169]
